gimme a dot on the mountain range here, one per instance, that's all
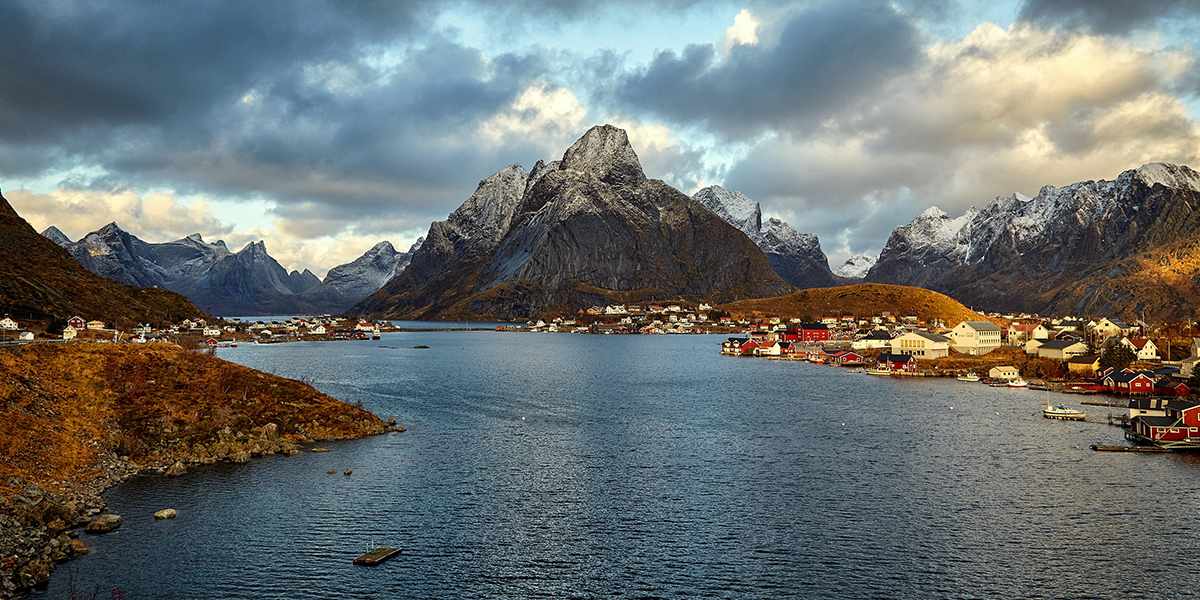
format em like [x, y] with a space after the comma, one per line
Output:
[247, 282]
[40, 280]
[586, 229]
[1128, 247]
[796, 257]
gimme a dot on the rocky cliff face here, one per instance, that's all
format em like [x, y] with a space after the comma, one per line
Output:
[856, 267]
[56, 235]
[248, 282]
[1123, 247]
[585, 229]
[796, 257]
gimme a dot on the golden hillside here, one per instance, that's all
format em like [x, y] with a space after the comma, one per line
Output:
[861, 300]
[68, 409]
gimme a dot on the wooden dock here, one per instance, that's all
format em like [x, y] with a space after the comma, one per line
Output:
[1146, 449]
[377, 556]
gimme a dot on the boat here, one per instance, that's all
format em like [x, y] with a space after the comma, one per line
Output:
[878, 371]
[1063, 413]
[1017, 383]
[376, 556]
[973, 378]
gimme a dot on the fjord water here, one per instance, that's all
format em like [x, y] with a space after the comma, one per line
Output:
[583, 466]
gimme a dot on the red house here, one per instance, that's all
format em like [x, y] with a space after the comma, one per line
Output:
[1170, 388]
[1129, 382]
[896, 362]
[1180, 427]
[748, 348]
[846, 358]
[811, 332]
[78, 323]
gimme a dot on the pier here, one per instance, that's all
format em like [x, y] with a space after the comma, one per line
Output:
[377, 556]
[1142, 449]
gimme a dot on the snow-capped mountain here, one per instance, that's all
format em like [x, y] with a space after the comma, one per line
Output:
[247, 282]
[796, 257]
[856, 267]
[56, 235]
[587, 229]
[1057, 250]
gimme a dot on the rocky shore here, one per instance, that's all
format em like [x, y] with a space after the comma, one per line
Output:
[69, 430]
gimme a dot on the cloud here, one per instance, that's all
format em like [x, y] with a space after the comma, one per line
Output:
[818, 61]
[743, 32]
[997, 111]
[1106, 16]
[154, 215]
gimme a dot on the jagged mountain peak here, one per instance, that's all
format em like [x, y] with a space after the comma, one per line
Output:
[1169, 175]
[735, 207]
[56, 235]
[856, 266]
[605, 151]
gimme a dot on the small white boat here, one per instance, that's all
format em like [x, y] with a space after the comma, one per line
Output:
[969, 377]
[1017, 383]
[874, 371]
[1063, 413]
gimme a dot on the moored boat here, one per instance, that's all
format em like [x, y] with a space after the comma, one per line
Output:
[878, 371]
[1017, 383]
[969, 377]
[1063, 413]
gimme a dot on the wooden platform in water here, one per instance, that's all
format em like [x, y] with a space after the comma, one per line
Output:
[1150, 449]
[377, 556]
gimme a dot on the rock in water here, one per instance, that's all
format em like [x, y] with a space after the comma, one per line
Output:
[104, 523]
[176, 470]
[166, 513]
[78, 547]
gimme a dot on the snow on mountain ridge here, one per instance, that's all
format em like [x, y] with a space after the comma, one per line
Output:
[856, 267]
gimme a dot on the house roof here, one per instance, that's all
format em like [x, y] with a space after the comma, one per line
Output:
[1127, 376]
[1084, 359]
[1059, 344]
[1139, 343]
[1024, 327]
[1156, 421]
[933, 337]
[879, 334]
[981, 325]
[900, 358]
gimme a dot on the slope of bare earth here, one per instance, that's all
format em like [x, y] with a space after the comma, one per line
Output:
[77, 418]
[863, 300]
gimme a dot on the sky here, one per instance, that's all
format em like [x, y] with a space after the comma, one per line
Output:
[324, 127]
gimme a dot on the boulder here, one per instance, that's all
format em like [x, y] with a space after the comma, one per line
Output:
[104, 523]
[166, 513]
[176, 470]
[78, 548]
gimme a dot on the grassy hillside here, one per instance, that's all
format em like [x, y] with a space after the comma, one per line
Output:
[66, 409]
[861, 300]
[39, 280]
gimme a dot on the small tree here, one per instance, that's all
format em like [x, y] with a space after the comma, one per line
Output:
[1116, 355]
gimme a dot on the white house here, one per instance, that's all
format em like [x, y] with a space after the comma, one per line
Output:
[921, 344]
[1004, 372]
[26, 336]
[1188, 367]
[316, 330]
[7, 324]
[975, 338]
[212, 331]
[69, 333]
[1031, 346]
[1144, 348]
[95, 325]
[1019, 332]
[1106, 328]
[771, 349]
[876, 340]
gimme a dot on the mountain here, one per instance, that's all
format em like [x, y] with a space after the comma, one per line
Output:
[795, 256]
[1126, 247]
[586, 229]
[860, 300]
[56, 235]
[856, 267]
[40, 280]
[348, 284]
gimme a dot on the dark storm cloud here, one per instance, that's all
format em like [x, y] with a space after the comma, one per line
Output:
[1106, 16]
[823, 58]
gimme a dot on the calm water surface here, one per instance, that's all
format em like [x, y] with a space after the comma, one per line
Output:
[599, 466]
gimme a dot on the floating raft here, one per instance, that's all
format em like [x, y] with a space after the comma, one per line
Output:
[1152, 449]
[377, 556]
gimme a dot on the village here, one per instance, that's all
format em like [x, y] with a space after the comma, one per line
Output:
[195, 332]
[1158, 380]
[627, 319]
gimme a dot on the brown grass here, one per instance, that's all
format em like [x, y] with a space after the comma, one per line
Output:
[863, 300]
[66, 407]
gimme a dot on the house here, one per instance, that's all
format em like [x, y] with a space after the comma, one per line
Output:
[1143, 347]
[896, 362]
[316, 330]
[69, 333]
[1129, 382]
[748, 348]
[1188, 366]
[1148, 407]
[769, 349]
[921, 344]
[807, 333]
[1084, 365]
[7, 324]
[1031, 346]
[1106, 328]
[78, 323]
[975, 338]
[1005, 372]
[1020, 332]
[1167, 387]
[212, 331]
[1061, 350]
[878, 339]
[846, 358]
[1178, 427]
[95, 325]
[26, 336]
